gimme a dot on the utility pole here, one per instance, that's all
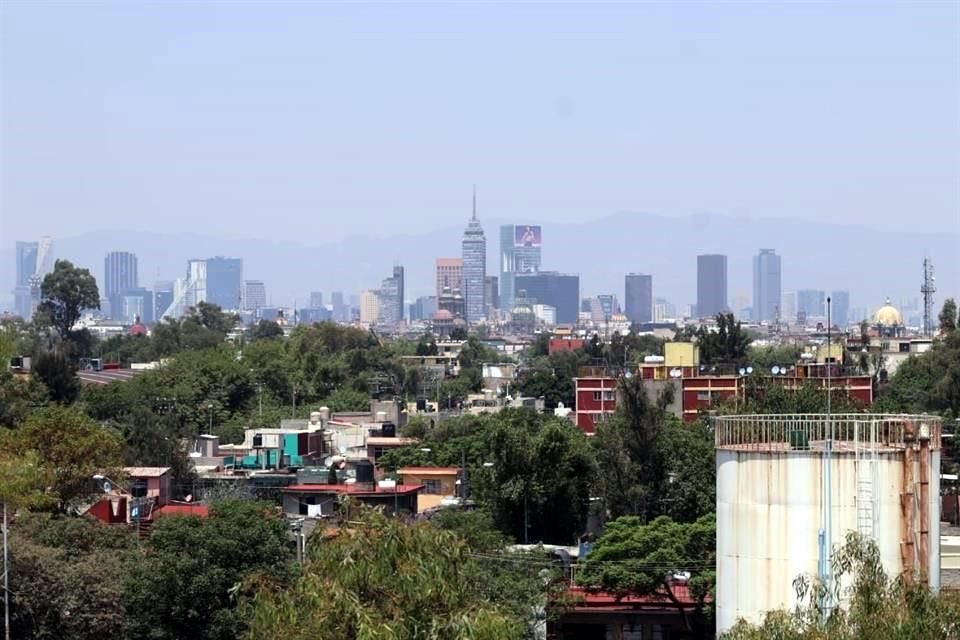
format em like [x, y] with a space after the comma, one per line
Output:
[6, 579]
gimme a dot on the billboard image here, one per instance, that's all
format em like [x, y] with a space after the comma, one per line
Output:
[526, 236]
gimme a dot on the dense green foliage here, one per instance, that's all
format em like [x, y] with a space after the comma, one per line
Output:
[727, 345]
[64, 294]
[181, 588]
[927, 382]
[382, 578]
[632, 557]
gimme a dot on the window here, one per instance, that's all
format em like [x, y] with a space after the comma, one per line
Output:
[703, 396]
[379, 451]
[596, 396]
[607, 396]
[431, 487]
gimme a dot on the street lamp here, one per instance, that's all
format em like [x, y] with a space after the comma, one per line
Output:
[210, 407]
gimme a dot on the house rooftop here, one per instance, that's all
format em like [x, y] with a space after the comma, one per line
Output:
[146, 472]
[380, 441]
[429, 471]
[353, 489]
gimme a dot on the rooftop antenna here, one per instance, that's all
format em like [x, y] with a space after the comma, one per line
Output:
[927, 288]
[474, 202]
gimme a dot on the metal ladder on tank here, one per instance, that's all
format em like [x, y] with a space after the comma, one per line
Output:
[866, 457]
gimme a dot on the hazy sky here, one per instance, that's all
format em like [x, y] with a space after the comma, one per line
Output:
[309, 121]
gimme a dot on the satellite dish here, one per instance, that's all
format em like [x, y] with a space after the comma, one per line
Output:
[107, 486]
[749, 369]
[742, 371]
[675, 373]
[188, 498]
[775, 370]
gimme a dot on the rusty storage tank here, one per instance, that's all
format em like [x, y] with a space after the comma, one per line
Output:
[790, 487]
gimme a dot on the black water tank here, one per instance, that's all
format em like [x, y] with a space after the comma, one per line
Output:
[364, 472]
[388, 430]
[258, 441]
[421, 404]
[138, 489]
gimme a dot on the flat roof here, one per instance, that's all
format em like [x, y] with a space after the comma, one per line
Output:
[146, 472]
[397, 442]
[353, 489]
[429, 471]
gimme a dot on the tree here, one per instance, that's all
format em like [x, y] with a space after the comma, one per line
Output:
[58, 374]
[382, 578]
[727, 345]
[67, 577]
[633, 558]
[71, 448]
[265, 330]
[427, 345]
[948, 316]
[877, 607]
[65, 293]
[181, 589]
[928, 382]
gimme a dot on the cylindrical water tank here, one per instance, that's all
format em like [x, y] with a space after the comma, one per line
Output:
[314, 417]
[388, 430]
[364, 470]
[771, 477]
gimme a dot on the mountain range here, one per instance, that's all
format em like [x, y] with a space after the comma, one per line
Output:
[871, 264]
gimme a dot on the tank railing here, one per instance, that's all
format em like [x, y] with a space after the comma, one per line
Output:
[848, 432]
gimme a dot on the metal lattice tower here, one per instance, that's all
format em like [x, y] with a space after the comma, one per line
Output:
[927, 289]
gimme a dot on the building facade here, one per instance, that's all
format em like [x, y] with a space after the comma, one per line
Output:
[558, 290]
[520, 247]
[840, 308]
[711, 285]
[254, 295]
[811, 303]
[224, 282]
[390, 310]
[119, 276]
[369, 308]
[449, 275]
[766, 286]
[26, 267]
[474, 254]
[162, 298]
[638, 297]
[316, 299]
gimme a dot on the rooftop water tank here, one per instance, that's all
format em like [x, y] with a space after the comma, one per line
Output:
[364, 470]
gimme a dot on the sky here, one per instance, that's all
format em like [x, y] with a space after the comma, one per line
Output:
[316, 121]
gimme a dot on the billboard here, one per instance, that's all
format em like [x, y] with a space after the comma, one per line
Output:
[526, 236]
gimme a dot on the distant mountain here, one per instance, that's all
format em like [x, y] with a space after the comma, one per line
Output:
[871, 264]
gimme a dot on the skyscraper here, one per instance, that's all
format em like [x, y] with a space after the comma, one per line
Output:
[316, 299]
[519, 253]
[254, 295]
[399, 277]
[474, 253]
[766, 286]
[560, 291]
[224, 281]
[492, 291]
[390, 299]
[449, 275]
[26, 267]
[812, 303]
[840, 308]
[711, 285]
[119, 277]
[369, 307]
[638, 297]
[162, 297]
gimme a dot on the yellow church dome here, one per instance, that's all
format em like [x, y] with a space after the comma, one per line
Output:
[888, 316]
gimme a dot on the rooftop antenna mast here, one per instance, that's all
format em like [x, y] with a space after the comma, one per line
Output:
[474, 202]
[927, 288]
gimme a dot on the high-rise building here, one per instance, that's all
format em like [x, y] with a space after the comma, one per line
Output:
[520, 247]
[254, 295]
[638, 297]
[766, 286]
[316, 299]
[134, 305]
[162, 298]
[788, 306]
[369, 307]
[840, 308]
[474, 253]
[812, 303]
[399, 277]
[491, 292]
[560, 291]
[340, 311]
[449, 275]
[423, 308]
[390, 299]
[119, 277]
[663, 309]
[26, 267]
[711, 285]
[609, 305]
[224, 281]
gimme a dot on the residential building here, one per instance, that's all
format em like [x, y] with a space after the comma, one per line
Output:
[766, 286]
[520, 247]
[560, 291]
[224, 282]
[369, 308]
[638, 297]
[119, 276]
[812, 303]
[440, 484]
[840, 308]
[474, 254]
[449, 275]
[318, 500]
[711, 285]
[254, 295]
